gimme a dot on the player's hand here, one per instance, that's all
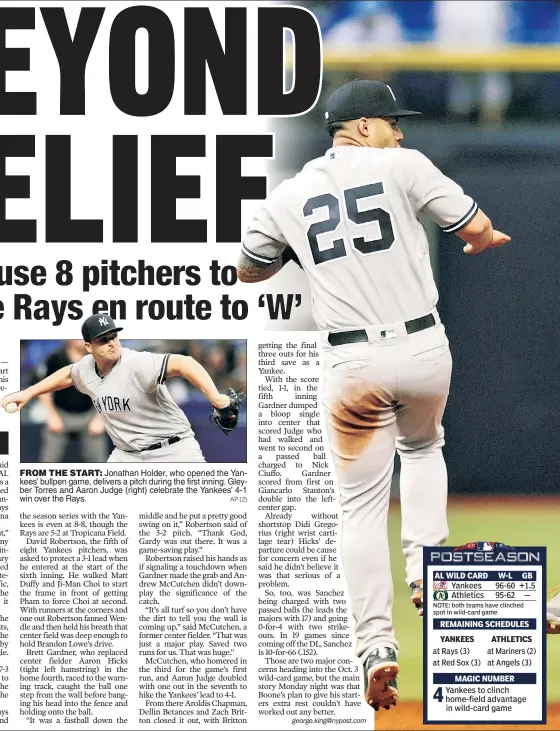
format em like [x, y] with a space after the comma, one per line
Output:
[221, 401]
[54, 422]
[20, 398]
[96, 426]
[226, 418]
[498, 239]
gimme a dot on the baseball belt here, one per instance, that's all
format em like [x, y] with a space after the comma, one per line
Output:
[360, 336]
[163, 443]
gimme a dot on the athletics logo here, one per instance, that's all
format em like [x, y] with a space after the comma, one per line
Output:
[440, 596]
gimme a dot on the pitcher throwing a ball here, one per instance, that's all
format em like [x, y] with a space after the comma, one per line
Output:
[128, 390]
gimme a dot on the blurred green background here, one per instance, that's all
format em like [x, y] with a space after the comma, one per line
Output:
[513, 521]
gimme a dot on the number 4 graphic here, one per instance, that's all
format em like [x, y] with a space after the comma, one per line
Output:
[438, 695]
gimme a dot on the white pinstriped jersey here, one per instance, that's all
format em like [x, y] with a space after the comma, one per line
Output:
[132, 399]
[351, 217]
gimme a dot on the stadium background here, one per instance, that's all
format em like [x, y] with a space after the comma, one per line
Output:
[486, 76]
[225, 360]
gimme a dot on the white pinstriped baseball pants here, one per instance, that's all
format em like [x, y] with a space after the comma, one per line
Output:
[381, 396]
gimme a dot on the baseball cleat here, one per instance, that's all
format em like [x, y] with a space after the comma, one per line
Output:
[553, 612]
[380, 678]
[417, 596]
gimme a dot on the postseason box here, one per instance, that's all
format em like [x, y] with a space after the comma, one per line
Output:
[484, 634]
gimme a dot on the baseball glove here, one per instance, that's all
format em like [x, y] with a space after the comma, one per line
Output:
[290, 255]
[226, 419]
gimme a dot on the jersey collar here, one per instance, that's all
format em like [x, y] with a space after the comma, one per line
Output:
[98, 374]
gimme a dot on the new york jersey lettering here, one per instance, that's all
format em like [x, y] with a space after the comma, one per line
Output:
[111, 403]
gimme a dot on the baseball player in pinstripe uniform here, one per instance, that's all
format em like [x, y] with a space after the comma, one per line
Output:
[128, 390]
[351, 219]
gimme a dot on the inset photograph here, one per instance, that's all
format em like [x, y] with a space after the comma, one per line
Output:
[103, 399]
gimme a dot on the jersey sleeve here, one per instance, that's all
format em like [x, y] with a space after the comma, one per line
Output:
[264, 242]
[437, 196]
[77, 372]
[150, 370]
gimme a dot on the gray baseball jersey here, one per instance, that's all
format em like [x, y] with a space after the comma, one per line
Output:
[351, 217]
[132, 399]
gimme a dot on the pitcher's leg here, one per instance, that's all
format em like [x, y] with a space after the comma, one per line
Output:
[423, 479]
[423, 489]
[362, 430]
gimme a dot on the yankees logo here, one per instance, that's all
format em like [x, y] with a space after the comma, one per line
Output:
[103, 321]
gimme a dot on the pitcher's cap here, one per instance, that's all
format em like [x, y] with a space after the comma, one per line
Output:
[363, 98]
[96, 325]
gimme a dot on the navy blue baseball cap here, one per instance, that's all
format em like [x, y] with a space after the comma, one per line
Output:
[96, 325]
[363, 98]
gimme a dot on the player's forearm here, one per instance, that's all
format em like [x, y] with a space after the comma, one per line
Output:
[478, 233]
[249, 270]
[198, 376]
[55, 382]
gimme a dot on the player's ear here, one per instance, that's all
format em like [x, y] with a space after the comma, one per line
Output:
[363, 126]
[88, 347]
